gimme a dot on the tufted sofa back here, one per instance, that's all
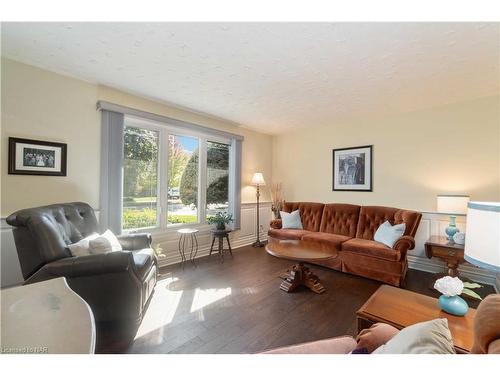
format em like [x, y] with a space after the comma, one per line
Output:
[310, 213]
[371, 217]
[340, 219]
[42, 233]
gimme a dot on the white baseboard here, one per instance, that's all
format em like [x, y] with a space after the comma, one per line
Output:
[204, 250]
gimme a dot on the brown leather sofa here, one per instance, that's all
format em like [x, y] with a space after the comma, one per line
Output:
[349, 230]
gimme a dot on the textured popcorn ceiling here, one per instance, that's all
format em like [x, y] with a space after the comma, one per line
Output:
[273, 76]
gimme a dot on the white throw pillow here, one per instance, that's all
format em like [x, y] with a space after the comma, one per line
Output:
[388, 234]
[105, 243]
[291, 220]
[431, 337]
[82, 247]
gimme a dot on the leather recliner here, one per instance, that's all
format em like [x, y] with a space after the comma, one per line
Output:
[117, 285]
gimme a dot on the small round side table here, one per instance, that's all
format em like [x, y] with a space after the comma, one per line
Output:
[190, 235]
[220, 235]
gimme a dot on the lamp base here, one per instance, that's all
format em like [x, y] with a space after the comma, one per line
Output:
[450, 232]
[258, 244]
[451, 229]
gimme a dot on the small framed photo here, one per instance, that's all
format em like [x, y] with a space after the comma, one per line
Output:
[352, 169]
[33, 157]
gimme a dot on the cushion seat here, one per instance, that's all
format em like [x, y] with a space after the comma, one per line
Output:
[370, 248]
[333, 240]
[288, 234]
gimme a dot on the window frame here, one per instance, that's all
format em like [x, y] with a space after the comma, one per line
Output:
[165, 129]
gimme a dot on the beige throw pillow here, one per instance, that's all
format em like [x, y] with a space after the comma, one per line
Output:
[431, 337]
[105, 243]
[82, 247]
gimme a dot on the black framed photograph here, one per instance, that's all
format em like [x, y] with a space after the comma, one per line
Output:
[34, 157]
[352, 169]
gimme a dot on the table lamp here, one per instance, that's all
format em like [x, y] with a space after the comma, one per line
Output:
[258, 180]
[482, 242]
[452, 205]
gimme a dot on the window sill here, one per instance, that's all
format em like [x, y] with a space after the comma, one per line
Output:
[157, 231]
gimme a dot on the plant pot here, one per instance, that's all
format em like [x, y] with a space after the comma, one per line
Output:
[220, 226]
[454, 305]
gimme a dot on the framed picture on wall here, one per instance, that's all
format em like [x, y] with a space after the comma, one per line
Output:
[33, 157]
[352, 169]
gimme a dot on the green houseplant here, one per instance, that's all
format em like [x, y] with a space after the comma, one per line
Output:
[220, 219]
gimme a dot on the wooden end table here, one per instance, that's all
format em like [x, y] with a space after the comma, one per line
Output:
[220, 234]
[451, 252]
[401, 308]
[302, 251]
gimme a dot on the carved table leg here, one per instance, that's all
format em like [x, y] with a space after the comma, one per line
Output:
[452, 268]
[312, 281]
[301, 275]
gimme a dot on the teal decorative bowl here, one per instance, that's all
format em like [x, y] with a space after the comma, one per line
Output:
[455, 305]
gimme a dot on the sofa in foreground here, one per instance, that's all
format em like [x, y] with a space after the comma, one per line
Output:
[349, 230]
[431, 337]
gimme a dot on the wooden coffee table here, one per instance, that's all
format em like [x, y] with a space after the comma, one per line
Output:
[301, 251]
[401, 308]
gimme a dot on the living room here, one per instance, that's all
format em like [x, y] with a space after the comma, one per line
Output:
[233, 187]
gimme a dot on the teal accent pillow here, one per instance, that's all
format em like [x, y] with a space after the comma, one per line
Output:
[291, 220]
[388, 234]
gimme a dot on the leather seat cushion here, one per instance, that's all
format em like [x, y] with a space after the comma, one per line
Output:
[370, 248]
[288, 234]
[143, 262]
[334, 240]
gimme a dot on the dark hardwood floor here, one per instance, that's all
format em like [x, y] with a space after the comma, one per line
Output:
[237, 307]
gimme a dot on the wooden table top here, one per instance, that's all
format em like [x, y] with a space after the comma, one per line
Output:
[402, 308]
[443, 242]
[301, 250]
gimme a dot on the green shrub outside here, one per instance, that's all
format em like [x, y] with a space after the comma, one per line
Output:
[147, 218]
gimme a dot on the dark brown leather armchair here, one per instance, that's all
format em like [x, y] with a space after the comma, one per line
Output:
[116, 285]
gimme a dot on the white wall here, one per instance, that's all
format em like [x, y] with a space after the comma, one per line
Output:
[44, 105]
[417, 155]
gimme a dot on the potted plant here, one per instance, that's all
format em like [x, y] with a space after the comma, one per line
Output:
[451, 288]
[220, 219]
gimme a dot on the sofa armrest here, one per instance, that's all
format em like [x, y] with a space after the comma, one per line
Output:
[335, 345]
[404, 244]
[95, 264]
[375, 336]
[276, 224]
[135, 241]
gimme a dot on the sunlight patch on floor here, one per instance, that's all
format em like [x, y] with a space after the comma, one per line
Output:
[161, 309]
[205, 297]
[249, 290]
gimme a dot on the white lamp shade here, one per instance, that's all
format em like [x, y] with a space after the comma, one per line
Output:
[452, 204]
[258, 179]
[482, 238]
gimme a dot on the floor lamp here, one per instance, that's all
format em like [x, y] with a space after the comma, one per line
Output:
[258, 181]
